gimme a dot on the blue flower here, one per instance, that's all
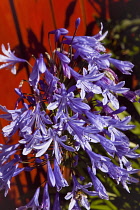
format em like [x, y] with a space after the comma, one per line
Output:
[124, 66]
[51, 81]
[42, 147]
[38, 68]
[98, 161]
[100, 189]
[31, 140]
[7, 171]
[59, 32]
[122, 124]
[85, 82]
[77, 22]
[16, 117]
[79, 194]
[50, 173]
[108, 145]
[64, 62]
[75, 127]
[10, 59]
[35, 119]
[12, 114]
[46, 199]
[97, 120]
[60, 181]
[132, 154]
[56, 205]
[85, 41]
[110, 90]
[53, 137]
[6, 151]
[63, 100]
[121, 174]
[26, 120]
[109, 97]
[118, 88]
[74, 107]
[33, 203]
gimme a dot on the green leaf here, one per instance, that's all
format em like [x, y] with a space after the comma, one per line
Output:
[96, 202]
[111, 205]
[100, 207]
[115, 190]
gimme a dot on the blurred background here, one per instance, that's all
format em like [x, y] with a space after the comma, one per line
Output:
[25, 25]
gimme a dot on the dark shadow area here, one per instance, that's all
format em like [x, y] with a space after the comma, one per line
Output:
[90, 27]
[6, 203]
[36, 47]
[69, 12]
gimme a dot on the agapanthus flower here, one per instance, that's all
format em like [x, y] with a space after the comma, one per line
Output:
[57, 141]
[7, 171]
[46, 199]
[6, 151]
[33, 203]
[85, 82]
[56, 205]
[71, 121]
[64, 100]
[38, 68]
[64, 62]
[60, 180]
[30, 141]
[50, 173]
[99, 188]
[98, 161]
[59, 32]
[124, 66]
[77, 22]
[15, 116]
[9, 59]
[79, 194]
[93, 41]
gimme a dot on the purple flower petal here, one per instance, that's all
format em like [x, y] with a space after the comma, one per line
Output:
[46, 199]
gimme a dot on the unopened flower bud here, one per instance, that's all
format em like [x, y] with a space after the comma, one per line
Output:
[77, 22]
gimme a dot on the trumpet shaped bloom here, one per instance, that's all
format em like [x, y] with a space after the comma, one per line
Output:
[9, 59]
[33, 203]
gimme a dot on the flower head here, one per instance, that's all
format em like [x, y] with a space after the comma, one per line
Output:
[70, 126]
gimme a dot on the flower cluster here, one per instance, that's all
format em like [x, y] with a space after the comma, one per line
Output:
[73, 110]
